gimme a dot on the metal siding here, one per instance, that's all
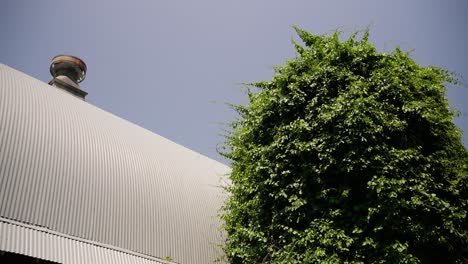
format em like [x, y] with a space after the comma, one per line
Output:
[44, 244]
[74, 168]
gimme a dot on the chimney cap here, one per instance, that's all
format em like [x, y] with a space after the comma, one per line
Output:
[60, 62]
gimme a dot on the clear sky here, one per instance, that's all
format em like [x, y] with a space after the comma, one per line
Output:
[170, 66]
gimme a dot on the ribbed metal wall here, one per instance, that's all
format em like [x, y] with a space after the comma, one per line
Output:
[27, 240]
[74, 168]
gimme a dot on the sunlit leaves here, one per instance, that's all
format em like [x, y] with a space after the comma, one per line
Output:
[347, 155]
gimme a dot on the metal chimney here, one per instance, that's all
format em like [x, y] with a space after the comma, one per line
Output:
[67, 71]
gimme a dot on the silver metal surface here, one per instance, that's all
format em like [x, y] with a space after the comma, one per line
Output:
[67, 71]
[76, 169]
[70, 66]
[41, 243]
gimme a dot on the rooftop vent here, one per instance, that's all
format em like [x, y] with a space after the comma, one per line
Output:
[67, 71]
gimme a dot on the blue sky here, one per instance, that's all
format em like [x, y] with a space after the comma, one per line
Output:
[170, 66]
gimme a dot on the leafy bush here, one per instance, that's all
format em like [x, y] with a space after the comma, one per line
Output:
[347, 155]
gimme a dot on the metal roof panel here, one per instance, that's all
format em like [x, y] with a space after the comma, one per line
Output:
[76, 169]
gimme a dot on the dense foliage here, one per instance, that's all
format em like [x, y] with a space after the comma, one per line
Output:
[347, 155]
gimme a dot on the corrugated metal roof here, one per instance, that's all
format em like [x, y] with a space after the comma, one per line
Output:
[48, 245]
[76, 169]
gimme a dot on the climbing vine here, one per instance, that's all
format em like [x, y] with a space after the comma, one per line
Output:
[348, 155]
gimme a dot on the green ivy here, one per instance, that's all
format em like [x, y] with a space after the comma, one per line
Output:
[348, 155]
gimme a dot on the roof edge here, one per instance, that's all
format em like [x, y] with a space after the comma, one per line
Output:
[82, 240]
